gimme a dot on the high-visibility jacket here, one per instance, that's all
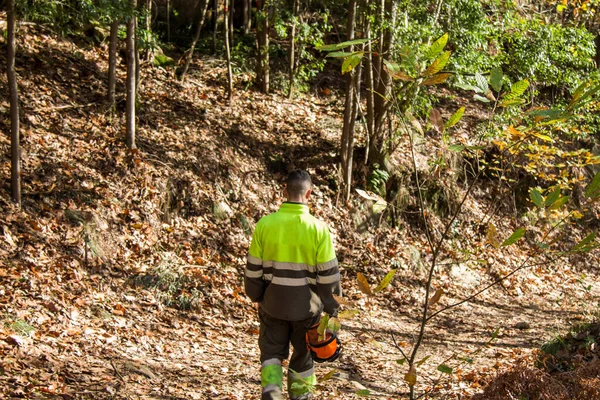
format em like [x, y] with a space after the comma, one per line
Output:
[292, 269]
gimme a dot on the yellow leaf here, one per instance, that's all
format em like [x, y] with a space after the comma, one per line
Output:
[411, 376]
[492, 236]
[363, 284]
[436, 79]
[436, 297]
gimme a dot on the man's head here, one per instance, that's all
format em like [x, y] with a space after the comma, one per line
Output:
[298, 186]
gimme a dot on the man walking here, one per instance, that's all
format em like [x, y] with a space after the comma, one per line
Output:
[292, 272]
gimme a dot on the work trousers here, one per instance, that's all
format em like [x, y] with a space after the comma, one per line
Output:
[274, 343]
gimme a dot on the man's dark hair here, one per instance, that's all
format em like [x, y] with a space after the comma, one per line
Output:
[298, 182]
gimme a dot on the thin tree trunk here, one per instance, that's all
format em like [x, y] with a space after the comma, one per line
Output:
[246, 14]
[295, 10]
[377, 154]
[215, 24]
[137, 55]
[15, 156]
[369, 77]
[169, 21]
[188, 59]
[228, 53]
[231, 11]
[348, 128]
[262, 27]
[112, 63]
[148, 54]
[131, 79]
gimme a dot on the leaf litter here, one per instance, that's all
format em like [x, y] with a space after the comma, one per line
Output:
[120, 279]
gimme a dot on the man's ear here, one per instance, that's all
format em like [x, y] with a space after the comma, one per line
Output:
[308, 192]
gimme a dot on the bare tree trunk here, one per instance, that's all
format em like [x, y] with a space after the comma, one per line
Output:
[188, 59]
[215, 15]
[148, 53]
[231, 10]
[169, 21]
[137, 55]
[377, 153]
[247, 10]
[597, 42]
[15, 156]
[228, 53]
[369, 78]
[262, 36]
[350, 105]
[131, 79]
[112, 63]
[295, 10]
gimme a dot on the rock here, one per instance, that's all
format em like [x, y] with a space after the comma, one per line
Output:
[222, 210]
[522, 325]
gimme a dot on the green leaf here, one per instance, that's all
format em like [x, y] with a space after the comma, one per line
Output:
[496, 79]
[328, 375]
[536, 197]
[363, 392]
[334, 325]
[438, 64]
[511, 102]
[385, 281]
[495, 334]
[444, 368]
[456, 148]
[380, 206]
[482, 84]
[466, 359]
[341, 54]
[351, 62]
[514, 238]
[545, 138]
[583, 245]
[561, 201]
[455, 118]
[339, 46]
[481, 98]
[437, 47]
[517, 89]
[593, 189]
[401, 361]
[552, 197]
[422, 361]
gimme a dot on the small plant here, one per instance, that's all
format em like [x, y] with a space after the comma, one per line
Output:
[22, 327]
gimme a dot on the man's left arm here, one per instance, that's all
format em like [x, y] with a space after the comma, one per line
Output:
[253, 274]
[328, 275]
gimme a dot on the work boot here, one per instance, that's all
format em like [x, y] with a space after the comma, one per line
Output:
[271, 380]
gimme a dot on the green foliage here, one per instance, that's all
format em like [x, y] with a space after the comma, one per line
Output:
[377, 180]
[21, 327]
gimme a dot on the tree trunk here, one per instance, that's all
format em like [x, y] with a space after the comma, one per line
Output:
[15, 164]
[169, 21]
[295, 10]
[262, 36]
[228, 52]
[131, 79]
[188, 59]
[377, 153]
[247, 10]
[350, 106]
[597, 42]
[112, 63]
[215, 15]
[369, 78]
[148, 53]
[231, 9]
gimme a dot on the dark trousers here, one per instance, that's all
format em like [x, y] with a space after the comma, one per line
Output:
[276, 336]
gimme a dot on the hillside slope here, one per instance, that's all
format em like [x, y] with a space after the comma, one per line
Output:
[122, 273]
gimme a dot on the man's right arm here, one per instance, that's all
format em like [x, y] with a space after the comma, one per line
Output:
[253, 274]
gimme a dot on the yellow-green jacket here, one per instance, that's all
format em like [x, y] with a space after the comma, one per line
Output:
[292, 269]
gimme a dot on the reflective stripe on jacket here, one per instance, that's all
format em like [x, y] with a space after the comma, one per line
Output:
[292, 269]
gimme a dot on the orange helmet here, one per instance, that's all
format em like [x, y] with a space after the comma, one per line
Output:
[325, 350]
